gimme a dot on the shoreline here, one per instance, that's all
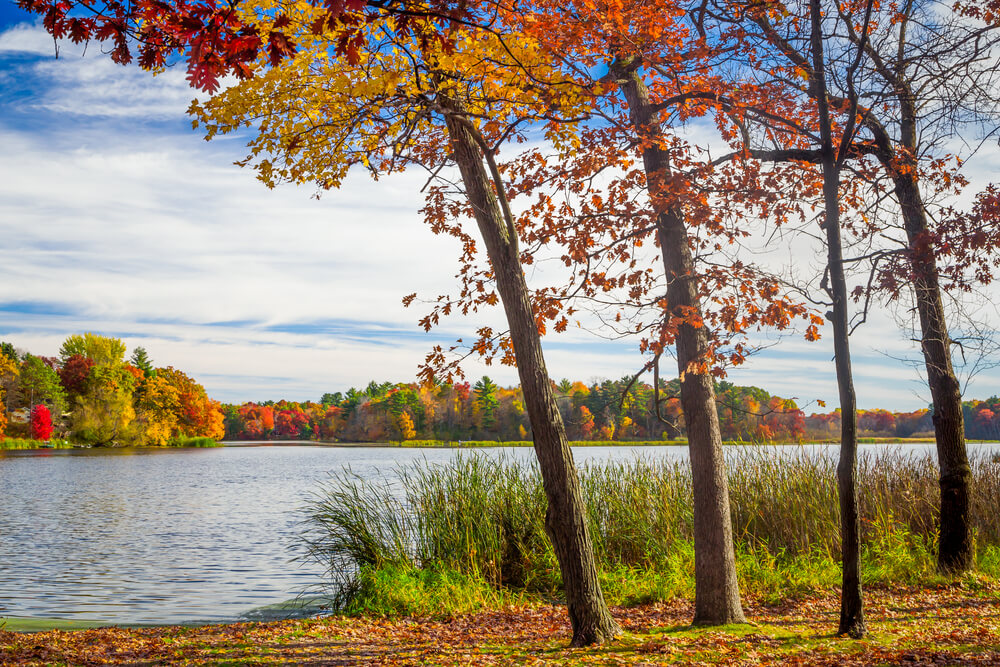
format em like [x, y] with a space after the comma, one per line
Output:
[487, 444]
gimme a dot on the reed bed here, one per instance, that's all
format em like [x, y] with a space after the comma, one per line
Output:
[482, 517]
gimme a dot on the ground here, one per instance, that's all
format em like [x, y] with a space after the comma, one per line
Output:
[957, 624]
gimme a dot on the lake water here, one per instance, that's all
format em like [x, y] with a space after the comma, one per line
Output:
[188, 535]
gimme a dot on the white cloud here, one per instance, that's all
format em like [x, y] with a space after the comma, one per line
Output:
[26, 39]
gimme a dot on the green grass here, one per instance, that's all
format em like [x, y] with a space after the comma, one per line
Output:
[20, 624]
[28, 443]
[185, 441]
[394, 590]
[480, 520]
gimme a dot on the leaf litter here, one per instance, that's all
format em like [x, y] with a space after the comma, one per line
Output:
[916, 626]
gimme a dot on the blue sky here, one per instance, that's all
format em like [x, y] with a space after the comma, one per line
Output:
[117, 218]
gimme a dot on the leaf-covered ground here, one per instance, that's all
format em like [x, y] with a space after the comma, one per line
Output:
[949, 625]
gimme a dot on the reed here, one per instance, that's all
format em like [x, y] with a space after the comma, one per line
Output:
[481, 518]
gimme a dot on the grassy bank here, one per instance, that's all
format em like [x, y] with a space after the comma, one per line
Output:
[28, 443]
[469, 534]
[185, 441]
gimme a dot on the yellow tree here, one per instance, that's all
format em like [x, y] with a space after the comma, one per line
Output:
[157, 404]
[416, 91]
[9, 370]
[103, 411]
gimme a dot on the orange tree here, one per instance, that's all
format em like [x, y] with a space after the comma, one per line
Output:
[632, 182]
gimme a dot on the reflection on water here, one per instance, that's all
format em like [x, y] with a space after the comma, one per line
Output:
[172, 535]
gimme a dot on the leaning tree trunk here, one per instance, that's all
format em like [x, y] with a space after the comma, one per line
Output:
[566, 515]
[717, 592]
[852, 610]
[955, 552]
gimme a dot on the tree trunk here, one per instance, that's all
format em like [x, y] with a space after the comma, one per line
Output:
[852, 611]
[566, 514]
[717, 593]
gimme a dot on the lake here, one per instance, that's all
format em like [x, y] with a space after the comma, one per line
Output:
[189, 535]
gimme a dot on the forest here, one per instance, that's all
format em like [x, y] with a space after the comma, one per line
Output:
[604, 411]
[92, 395]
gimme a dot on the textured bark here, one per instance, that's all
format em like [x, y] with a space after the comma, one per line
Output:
[852, 611]
[717, 593]
[955, 552]
[565, 516]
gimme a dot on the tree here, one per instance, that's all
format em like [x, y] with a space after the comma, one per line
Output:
[41, 423]
[410, 92]
[802, 125]
[913, 74]
[10, 371]
[834, 151]
[41, 383]
[486, 403]
[404, 426]
[7, 350]
[197, 415]
[157, 405]
[909, 102]
[258, 421]
[102, 350]
[140, 359]
[74, 374]
[103, 412]
[332, 399]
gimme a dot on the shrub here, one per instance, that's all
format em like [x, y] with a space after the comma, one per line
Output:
[41, 423]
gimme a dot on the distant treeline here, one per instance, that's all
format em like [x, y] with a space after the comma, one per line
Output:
[91, 395]
[600, 411]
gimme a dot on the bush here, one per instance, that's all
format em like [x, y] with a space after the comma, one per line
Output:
[41, 423]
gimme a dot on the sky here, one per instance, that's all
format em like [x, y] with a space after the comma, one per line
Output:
[117, 218]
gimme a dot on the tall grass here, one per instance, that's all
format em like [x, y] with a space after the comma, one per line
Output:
[481, 518]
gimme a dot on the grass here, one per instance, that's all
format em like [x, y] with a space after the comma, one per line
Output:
[185, 441]
[19, 624]
[28, 443]
[478, 522]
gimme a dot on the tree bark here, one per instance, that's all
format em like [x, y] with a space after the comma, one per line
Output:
[852, 615]
[566, 514]
[717, 593]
